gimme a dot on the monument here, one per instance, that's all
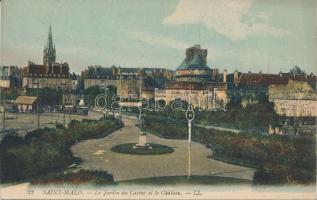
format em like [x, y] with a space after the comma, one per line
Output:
[142, 147]
[142, 144]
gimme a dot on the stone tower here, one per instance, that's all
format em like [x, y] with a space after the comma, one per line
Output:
[49, 54]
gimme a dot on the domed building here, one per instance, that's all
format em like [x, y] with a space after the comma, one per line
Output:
[206, 87]
[194, 67]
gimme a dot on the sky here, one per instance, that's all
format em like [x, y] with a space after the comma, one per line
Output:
[243, 35]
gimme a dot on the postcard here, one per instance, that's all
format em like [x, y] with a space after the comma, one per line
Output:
[165, 99]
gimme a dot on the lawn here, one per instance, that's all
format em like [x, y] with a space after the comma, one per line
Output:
[183, 180]
[128, 149]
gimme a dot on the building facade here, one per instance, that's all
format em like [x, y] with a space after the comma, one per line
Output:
[252, 88]
[49, 74]
[294, 99]
[204, 96]
[206, 87]
[10, 77]
[126, 80]
[296, 104]
[26, 103]
[194, 68]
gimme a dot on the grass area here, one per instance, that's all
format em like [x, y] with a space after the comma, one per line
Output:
[183, 180]
[256, 117]
[165, 136]
[76, 178]
[156, 149]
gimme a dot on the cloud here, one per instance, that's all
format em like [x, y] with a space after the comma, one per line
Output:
[158, 41]
[226, 17]
[168, 42]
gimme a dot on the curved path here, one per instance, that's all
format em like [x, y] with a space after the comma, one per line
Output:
[96, 154]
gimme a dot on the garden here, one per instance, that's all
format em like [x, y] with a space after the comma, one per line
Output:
[277, 159]
[46, 152]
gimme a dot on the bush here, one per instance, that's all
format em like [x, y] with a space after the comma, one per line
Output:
[47, 96]
[82, 176]
[59, 126]
[254, 118]
[37, 134]
[278, 159]
[9, 170]
[10, 141]
[74, 124]
[48, 150]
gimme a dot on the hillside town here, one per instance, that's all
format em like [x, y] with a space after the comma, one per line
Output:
[293, 93]
[163, 99]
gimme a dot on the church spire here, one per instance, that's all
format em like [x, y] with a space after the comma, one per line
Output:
[50, 38]
[49, 51]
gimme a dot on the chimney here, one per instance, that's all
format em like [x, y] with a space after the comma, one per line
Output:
[213, 74]
[235, 76]
[224, 76]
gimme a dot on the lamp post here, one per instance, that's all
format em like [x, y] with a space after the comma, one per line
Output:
[107, 103]
[106, 99]
[190, 115]
[37, 104]
[214, 100]
[155, 99]
[74, 89]
[63, 101]
[120, 112]
[69, 102]
[140, 116]
[4, 109]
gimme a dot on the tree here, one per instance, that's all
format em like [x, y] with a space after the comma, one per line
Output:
[47, 96]
[10, 93]
[92, 92]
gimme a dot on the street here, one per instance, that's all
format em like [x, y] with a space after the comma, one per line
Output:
[24, 122]
[96, 154]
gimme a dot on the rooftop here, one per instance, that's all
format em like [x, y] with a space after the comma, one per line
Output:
[195, 59]
[262, 79]
[28, 100]
[183, 85]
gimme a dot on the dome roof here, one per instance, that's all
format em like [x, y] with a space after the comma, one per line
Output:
[195, 59]
[297, 71]
[195, 63]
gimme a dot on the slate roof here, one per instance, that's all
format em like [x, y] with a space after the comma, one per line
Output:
[268, 79]
[195, 63]
[184, 85]
[129, 69]
[101, 72]
[262, 79]
[297, 71]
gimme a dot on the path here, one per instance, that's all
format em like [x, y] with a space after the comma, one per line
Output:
[96, 154]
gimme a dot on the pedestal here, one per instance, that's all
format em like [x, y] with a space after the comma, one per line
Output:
[142, 143]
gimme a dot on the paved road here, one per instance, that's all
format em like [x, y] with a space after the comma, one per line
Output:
[24, 122]
[96, 154]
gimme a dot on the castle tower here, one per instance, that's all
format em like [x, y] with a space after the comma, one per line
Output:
[49, 54]
[194, 67]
